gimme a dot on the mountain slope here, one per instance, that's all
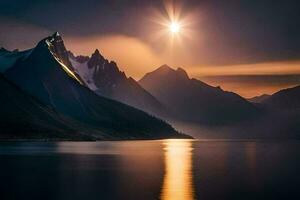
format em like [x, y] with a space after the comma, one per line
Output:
[107, 80]
[45, 75]
[22, 116]
[193, 100]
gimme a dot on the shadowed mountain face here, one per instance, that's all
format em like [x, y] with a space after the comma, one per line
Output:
[22, 116]
[45, 74]
[194, 100]
[107, 80]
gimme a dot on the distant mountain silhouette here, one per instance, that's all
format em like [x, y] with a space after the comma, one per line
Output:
[282, 116]
[285, 99]
[194, 100]
[45, 73]
[9, 58]
[259, 99]
[280, 119]
[105, 78]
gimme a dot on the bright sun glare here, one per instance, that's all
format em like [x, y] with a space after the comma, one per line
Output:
[174, 27]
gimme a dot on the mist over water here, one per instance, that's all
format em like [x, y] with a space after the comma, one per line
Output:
[165, 169]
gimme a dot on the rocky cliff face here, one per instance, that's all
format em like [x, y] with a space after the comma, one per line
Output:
[58, 47]
[105, 79]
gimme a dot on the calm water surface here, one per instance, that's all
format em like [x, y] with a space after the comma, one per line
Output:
[166, 169]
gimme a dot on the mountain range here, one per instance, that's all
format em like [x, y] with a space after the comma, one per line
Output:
[188, 100]
[51, 93]
[165, 92]
[46, 74]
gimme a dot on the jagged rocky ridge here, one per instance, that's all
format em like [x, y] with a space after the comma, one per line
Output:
[105, 79]
[165, 92]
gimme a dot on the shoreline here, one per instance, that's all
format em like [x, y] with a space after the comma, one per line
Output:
[158, 139]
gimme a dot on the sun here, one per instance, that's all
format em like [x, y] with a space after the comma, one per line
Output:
[174, 27]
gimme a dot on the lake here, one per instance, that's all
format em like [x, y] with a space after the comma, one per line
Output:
[164, 169]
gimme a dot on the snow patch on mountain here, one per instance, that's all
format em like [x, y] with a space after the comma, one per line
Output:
[84, 72]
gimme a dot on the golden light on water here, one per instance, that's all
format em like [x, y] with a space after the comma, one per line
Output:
[178, 181]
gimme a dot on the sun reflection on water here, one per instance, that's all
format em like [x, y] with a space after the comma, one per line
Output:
[178, 179]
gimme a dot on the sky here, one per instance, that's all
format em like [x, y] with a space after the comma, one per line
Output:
[249, 47]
